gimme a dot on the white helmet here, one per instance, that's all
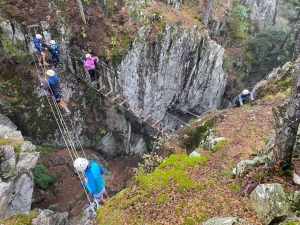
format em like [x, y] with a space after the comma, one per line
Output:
[81, 164]
[38, 36]
[87, 56]
[245, 92]
[52, 42]
[50, 73]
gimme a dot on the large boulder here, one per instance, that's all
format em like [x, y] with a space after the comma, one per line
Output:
[270, 202]
[226, 221]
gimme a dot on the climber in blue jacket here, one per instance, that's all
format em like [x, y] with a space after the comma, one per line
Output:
[41, 48]
[94, 182]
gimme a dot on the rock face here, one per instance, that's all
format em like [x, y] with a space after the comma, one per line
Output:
[261, 12]
[180, 72]
[270, 202]
[17, 159]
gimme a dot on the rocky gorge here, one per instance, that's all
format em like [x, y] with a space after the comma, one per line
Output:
[156, 55]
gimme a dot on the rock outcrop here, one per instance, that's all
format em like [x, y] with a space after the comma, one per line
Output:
[17, 159]
[270, 202]
[262, 13]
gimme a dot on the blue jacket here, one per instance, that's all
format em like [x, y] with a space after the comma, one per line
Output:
[95, 182]
[54, 85]
[242, 98]
[54, 51]
[39, 45]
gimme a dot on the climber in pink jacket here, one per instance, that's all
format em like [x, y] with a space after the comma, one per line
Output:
[90, 64]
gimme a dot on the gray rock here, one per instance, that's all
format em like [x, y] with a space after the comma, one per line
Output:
[16, 185]
[245, 165]
[226, 221]
[27, 162]
[261, 12]
[46, 217]
[194, 154]
[12, 30]
[270, 202]
[8, 163]
[16, 195]
[59, 161]
[27, 146]
[269, 146]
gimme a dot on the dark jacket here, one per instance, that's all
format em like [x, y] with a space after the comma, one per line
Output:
[54, 51]
[39, 45]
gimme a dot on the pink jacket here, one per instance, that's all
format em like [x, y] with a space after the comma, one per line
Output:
[90, 64]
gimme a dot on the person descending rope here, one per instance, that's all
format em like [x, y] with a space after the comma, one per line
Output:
[53, 48]
[90, 64]
[52, 85]
[243, 98]
[94, 182]
[41, 48]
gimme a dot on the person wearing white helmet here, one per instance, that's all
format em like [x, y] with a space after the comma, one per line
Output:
[52, 85]
[242, 98]
[53, 48]
[90, 64]
[93, 180]
[41, 48]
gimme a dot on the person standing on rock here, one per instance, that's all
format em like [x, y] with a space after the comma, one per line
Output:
[93, 180]
[52, 85]
[90, 64]
[244, 97]
[41, 48]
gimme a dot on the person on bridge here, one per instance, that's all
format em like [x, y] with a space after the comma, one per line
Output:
[94, 182]
[90, 64]
[41, 48]
[243, 98]
[53, 48]
[52, 85]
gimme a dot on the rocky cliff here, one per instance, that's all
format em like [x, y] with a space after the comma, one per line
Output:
[17, 159]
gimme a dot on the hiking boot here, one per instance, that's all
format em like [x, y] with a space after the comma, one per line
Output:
[54, 68]
[67, 113]
[46, 64]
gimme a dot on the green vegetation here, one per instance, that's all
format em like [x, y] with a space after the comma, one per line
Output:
[219, 145]
[53, 207]
[270, 50]
[102, 133]
[17, 49]
[20, 219]
[87, 2]
[259, 176]
[41, 176]
[46, 149]
[169, 176]
[195, 134]
[83, 33]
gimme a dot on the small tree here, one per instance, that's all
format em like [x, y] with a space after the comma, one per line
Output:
[287, 131]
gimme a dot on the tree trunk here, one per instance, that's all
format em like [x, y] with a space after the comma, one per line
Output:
[209, 5]
[81, 11]
[286, 133]
[297, 46]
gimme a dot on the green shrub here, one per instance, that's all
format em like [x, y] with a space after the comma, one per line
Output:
[41, 176]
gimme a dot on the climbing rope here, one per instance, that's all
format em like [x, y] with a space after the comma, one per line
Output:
[65, 134]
